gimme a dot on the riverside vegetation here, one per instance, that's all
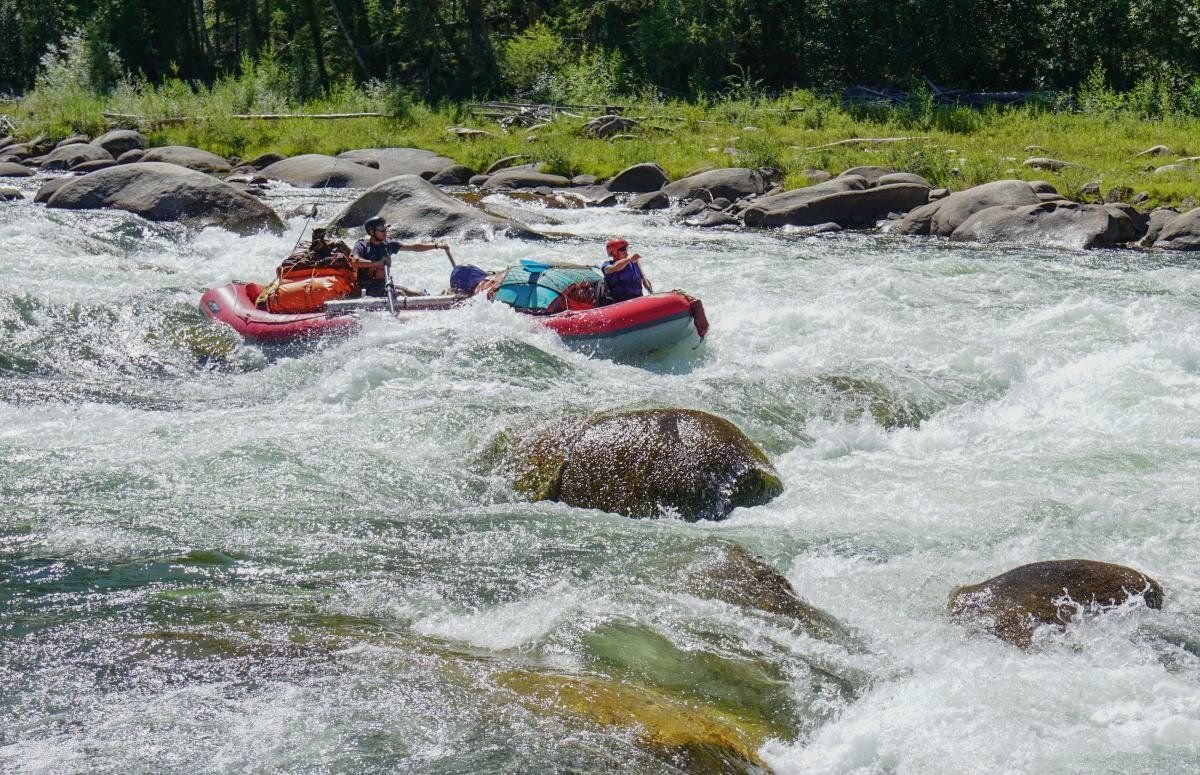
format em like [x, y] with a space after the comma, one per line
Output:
[1102, 134]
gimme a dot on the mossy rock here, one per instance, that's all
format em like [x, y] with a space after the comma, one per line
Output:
[740, 578]
[692, 736]
[1013, 604]
[645, 463]
[749, 687]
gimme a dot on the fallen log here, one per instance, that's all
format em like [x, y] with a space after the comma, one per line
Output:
[865, 141]
[240, 116]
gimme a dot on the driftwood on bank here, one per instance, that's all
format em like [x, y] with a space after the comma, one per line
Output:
[240, 116]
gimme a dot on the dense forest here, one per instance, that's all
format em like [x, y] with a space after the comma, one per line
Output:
[678, 48]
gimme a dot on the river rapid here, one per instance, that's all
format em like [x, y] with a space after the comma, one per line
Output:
[216, 556]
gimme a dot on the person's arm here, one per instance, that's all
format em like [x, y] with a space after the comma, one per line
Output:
[419, 247]
[620, 264]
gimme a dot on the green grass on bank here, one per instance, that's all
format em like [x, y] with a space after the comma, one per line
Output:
[951, 147]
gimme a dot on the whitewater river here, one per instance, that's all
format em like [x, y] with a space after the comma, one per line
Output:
[219, 557]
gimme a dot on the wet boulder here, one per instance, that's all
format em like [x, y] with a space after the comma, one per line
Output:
[1058, 223]
[118, 141]
[1181, 232]
[524, 177]
[738, 577]
[1013, 604]
[315, 170]
[940, 218]
[400, 161]
[10, 169]
[645, 463]
[731, 182]
[10, 194]
[416, 209]
[67, 156]
[639, 179]
[847, 208]
[186, 156]
[167, 192]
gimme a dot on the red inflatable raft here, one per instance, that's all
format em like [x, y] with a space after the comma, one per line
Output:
[626, 329]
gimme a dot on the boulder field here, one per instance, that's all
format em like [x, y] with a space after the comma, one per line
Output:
[867, 197]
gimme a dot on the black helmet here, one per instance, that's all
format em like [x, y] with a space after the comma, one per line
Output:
[378, 222]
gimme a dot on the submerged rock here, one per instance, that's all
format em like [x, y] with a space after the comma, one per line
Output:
[740, 578]
[645, 463]
[691, 736]
[166, 192]
[416, 208]
[1055, 592]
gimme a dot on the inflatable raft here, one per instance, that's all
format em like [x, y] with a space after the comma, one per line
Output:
[625, 329]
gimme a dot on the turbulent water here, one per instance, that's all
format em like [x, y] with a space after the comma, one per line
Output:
[222, 557]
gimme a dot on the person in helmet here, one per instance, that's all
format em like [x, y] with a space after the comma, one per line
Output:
[622, 273]
[374, 252]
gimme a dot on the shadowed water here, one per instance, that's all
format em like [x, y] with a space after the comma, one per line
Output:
[217, 556]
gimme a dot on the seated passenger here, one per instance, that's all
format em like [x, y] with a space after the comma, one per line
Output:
[623, 278]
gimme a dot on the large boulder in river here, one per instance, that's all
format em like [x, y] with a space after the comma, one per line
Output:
[786, 200]
[732, 183]
[942, 217]
[416, 208]
[67, 156]
[167, 192]
[1013, 604]
[645, 463]
[524, 177]
[118, 141]
[10, 169]
[400, 161]
[1181, 232]
[846, 208]
[1058, 223]
[315, 170]
[186, 156]
[639, 179]
[51, 186]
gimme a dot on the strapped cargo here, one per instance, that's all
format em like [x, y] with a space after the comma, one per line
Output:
[308, 278]
[542, 289]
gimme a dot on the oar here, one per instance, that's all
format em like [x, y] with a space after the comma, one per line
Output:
[391, 289]
[447, 249]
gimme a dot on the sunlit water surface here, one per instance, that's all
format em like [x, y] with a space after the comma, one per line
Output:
[216, 556]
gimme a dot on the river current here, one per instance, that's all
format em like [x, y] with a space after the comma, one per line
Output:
[216, 556]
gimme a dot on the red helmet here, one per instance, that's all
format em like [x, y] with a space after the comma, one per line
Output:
[615, 244]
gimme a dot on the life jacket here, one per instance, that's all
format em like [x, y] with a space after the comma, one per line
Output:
[307, 279]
